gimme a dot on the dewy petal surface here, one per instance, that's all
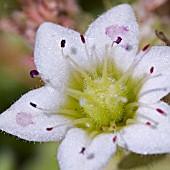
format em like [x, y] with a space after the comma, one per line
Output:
[48, 54]
[144, 139]
[120, 21]
[30, 123]
[159, 86]
[95, 156]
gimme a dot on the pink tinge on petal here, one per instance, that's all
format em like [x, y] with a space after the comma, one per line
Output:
[24, 119]
[115, 31]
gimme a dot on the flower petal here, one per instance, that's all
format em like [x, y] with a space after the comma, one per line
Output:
[145, 139]
[95, 156]
[120, 22]
[30, 123]
[48, 55]
[157, 87]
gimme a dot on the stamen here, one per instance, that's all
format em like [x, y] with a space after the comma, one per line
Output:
[96, 58]
[151, 69]
[82, 39]
[160, 111]
[115, 139]
[49, 129]
[63, 43]
[119, 39]
[68, 112]
[152, 90]
[49, 112]
[34, 73]
[71, 123]
[145, 47]
[91, 136]
[140, 55]
[73, 73]
[148, 123]
[151, 77]
[148, 119]
[140, 104]
[130, 70]
[88, 55]
[78, 94]
[89, 155]
[146, 78]
[105, 65]
[33, 104]
[82, 150]
[78, 68]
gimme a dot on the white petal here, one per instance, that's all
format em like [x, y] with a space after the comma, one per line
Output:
[155, 88]
[48, 53]
[118, 21]
[144, 139]
[30, 123]
[95, 156]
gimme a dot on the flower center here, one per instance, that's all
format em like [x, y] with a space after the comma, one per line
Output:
[103, 99]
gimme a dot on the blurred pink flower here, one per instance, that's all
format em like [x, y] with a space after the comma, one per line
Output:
[34, 12]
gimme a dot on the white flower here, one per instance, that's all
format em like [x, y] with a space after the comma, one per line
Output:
[99, 93]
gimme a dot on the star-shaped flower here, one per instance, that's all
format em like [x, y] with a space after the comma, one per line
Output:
[99, 93]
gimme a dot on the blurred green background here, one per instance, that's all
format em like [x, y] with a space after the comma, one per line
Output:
[16, 61]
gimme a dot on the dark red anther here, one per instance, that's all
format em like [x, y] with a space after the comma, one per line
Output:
[49, 129]
[114, 139]
[145, 47]
[82, 150]
[160, 111]
[82, 39]
[33, 104]
[151, 70]
[34, 73]
[119, 39]
[148, 123]
[63, 43]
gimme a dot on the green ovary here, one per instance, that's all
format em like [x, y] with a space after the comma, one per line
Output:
[104, 99]
[107, 107]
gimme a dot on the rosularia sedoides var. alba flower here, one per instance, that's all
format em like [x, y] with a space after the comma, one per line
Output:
[99, 93]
